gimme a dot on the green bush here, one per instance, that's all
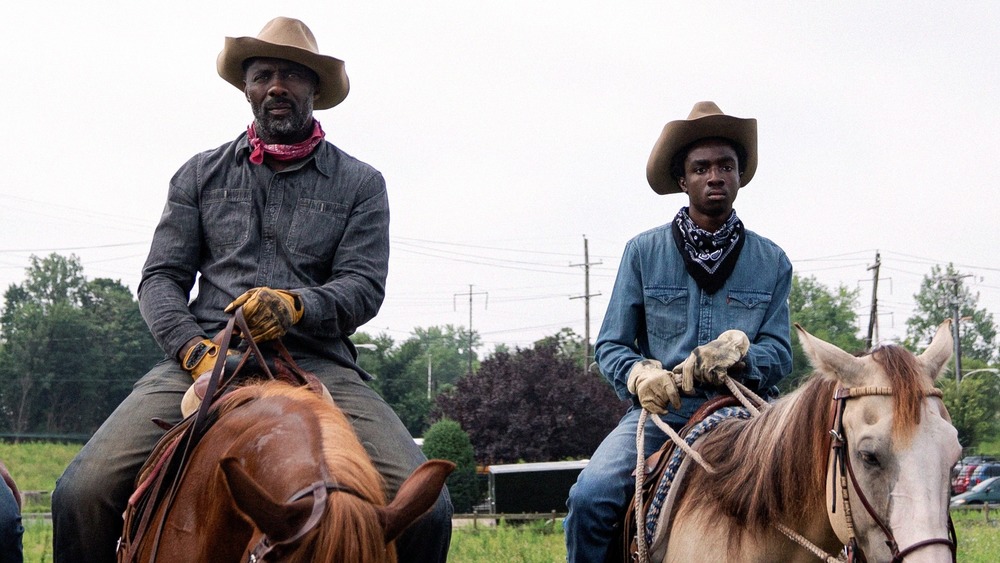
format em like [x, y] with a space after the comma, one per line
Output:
[446, 440]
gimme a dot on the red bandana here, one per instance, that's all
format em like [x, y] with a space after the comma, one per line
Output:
[283, 152]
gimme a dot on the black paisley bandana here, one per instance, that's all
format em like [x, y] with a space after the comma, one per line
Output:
[709, 257]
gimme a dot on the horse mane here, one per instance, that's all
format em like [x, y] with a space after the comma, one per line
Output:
[772, 467]
[760, 474]
[350, 529]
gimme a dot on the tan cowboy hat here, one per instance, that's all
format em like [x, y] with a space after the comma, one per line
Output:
[705, 120]
[289, 39]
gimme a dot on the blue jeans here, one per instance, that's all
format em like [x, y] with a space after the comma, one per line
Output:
[91, 495]
[11, 529]
[600, 497]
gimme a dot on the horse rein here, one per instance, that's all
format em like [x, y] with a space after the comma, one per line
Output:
[216, 387]
[842, 462]
[319, 491]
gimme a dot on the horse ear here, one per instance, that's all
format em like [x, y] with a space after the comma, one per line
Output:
[279, 521]
[828, 358]
[939, 351]
[415, 497]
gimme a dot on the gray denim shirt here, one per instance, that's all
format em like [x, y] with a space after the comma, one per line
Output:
[657, 311]
[319, 228]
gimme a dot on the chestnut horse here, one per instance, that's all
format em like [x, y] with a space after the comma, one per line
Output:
[871, 429]
[280, 476]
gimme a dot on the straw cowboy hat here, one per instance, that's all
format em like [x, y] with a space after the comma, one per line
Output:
[705, 120]
[289, 39]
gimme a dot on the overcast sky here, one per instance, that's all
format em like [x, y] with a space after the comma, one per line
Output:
[509, 131]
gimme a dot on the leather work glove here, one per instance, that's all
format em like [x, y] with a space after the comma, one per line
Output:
[709, 363]
[654, 386]
[268, 312]
[201, 357]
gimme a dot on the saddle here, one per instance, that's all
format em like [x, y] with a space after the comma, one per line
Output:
[164, 469]
[656, 464]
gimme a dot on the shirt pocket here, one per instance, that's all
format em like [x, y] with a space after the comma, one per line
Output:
[666, 311]
[745, 310]
[316, 229]
[225, 216]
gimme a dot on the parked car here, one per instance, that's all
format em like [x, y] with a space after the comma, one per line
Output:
[986, 492]
[960, 484]
[984, 472]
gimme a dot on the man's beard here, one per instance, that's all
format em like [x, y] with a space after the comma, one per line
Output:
[287, 129]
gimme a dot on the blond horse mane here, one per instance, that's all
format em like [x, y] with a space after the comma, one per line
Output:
[350, 529]
[772, 467]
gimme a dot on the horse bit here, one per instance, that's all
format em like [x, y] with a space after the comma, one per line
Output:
[842, 462]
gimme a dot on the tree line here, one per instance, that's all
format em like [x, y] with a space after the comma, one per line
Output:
[71, 349]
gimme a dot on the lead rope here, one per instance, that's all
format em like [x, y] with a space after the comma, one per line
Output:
[640, 480]
[808, 545]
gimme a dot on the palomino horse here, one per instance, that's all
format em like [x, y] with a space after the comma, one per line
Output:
[279, 475]
[870, 429]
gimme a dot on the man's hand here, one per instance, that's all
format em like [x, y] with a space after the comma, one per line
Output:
[268, 312]
[708, 364]
[654, 386]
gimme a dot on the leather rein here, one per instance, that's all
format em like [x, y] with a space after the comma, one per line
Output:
[842, 463]
[199, 422]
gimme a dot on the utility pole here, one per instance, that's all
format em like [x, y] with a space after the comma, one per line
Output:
[873, 318]
[470, 294]
[429, 375]
[586, 301]
[956, 304]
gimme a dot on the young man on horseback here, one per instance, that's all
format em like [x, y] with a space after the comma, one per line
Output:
[700, 294]
[290, 227]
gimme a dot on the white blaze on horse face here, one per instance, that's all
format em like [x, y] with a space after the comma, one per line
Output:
[919, 499]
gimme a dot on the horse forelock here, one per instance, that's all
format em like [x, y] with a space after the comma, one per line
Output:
[772, 467]
[902, 370]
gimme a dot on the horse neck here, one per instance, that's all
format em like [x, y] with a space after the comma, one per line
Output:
[773, 466]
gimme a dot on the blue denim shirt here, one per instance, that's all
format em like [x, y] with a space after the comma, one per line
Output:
[319, 227]
[657, 311]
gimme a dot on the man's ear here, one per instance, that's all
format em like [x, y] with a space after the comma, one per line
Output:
[682, 184]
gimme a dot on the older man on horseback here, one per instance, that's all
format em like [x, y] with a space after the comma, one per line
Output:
[294, 230]
[700, 294]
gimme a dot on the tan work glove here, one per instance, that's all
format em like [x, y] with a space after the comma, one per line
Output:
[654, 386]
[708, 364]
[201, 357]
[268, 312]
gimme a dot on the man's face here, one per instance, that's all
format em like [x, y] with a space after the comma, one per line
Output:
[711, 180]
[281, 94]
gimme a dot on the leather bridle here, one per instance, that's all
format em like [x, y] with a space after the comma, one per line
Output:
[842, 463]
[319, 491]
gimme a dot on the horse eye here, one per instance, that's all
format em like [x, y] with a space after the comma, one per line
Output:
[869, 459]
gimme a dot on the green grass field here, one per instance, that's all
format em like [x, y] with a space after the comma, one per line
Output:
[36, 466]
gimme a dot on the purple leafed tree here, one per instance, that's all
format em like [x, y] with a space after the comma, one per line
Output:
[532, 405]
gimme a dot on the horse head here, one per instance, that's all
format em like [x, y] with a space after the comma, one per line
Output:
[284, 522]
[898, 446]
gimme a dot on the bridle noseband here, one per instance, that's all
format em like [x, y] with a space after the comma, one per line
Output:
[842, 462]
